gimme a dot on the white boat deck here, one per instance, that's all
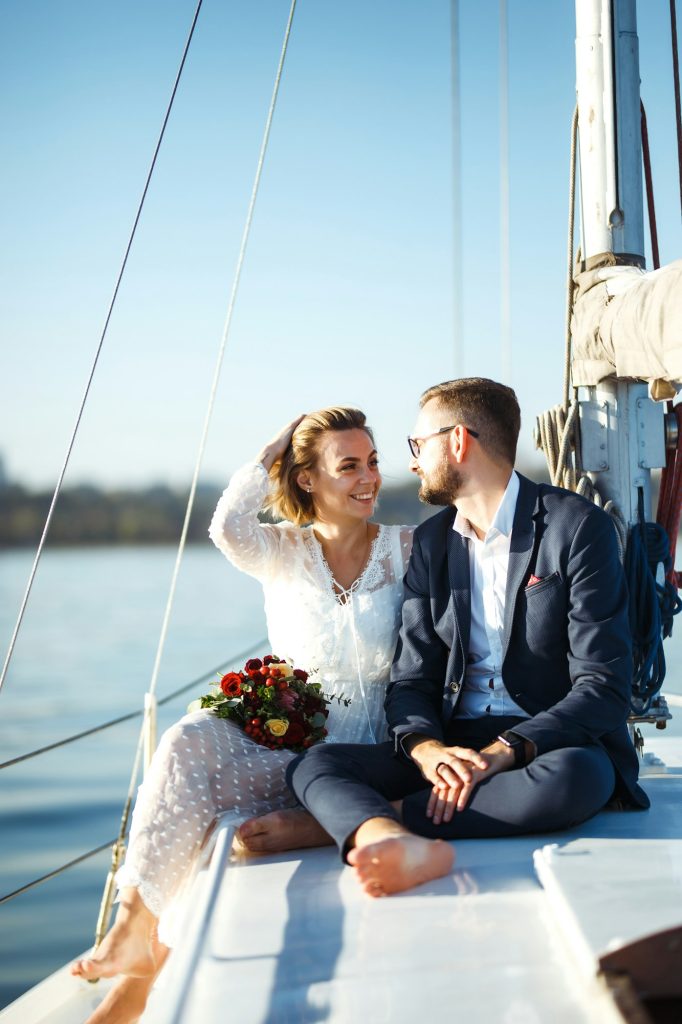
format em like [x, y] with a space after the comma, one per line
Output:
[293, 938]
[513, 934]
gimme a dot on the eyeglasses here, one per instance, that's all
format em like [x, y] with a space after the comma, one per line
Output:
[415, 443]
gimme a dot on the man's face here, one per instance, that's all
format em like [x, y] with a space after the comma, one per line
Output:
[441, 481]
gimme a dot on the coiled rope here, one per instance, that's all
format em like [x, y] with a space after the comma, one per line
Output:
[652, 606]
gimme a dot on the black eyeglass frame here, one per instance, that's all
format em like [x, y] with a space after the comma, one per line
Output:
[415, 443]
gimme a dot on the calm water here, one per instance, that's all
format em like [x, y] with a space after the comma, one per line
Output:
[85, 654]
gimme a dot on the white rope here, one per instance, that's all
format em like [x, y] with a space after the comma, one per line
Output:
[60, 479]
[221, 354]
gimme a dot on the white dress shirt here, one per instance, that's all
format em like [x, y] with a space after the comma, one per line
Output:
[483, 692]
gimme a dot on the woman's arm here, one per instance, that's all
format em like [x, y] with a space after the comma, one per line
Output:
[235, 529]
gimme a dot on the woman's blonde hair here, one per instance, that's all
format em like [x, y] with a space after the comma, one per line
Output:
[287, 500]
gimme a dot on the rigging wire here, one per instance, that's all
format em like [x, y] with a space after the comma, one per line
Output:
[505, 281]
[221, 350]
[676, 79]
[132, 714]
[569, 259]
[107, 320]
[649, 181]
[53, 874]
[456, 139]
[107, 900]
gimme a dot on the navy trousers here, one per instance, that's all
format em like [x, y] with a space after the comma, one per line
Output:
[345, 784]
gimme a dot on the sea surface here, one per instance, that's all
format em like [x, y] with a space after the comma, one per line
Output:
[84, 655]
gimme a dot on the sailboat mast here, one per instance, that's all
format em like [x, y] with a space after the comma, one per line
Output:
[622, 429]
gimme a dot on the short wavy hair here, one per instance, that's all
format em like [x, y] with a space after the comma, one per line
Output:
[287, 500]
[486, 406]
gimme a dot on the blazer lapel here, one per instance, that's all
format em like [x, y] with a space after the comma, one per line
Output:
[460, 585]
[521, 551]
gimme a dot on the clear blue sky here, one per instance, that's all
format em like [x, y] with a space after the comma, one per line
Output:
[347, 288]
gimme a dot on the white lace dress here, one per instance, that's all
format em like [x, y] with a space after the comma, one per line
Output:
[206, 767]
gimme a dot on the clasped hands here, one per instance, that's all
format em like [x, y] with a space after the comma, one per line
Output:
[454, 772]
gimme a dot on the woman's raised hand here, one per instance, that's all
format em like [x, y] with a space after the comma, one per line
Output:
[276, 448]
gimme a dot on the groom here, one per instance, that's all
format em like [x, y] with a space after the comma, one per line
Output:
[511, 680]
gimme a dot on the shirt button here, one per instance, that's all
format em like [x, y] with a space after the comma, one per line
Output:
[455, 687]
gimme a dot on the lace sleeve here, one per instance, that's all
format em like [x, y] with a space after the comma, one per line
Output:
[235, 529]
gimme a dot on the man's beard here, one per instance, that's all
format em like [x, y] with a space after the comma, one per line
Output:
[443, 487]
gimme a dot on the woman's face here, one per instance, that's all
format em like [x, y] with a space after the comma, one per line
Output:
[346, 479]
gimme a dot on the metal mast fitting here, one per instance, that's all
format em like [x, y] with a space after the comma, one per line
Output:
[622, 429]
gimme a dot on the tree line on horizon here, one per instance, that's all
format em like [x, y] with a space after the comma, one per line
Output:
[153, 515]
[86, 514]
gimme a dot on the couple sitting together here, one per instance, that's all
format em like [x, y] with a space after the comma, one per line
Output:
[487, 655]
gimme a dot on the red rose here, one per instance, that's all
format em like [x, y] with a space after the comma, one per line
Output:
[252, 665]
[300, 674]
[256, 677]
[269, 658]
[294, 734]
[231, 684]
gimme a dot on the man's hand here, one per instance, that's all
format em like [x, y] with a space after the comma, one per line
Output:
[454, 772]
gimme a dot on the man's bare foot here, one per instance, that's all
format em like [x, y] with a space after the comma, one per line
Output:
[130, 948]
[124, 1003]
[290, 829]
[400, 862]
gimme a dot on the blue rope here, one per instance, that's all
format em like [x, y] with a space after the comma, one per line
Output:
[652, 606]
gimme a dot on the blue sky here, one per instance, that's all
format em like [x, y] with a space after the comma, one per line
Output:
[346, 292]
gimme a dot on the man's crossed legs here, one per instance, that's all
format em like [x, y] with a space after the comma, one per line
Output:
[374, 804]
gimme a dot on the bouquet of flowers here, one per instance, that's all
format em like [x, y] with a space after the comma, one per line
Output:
[273, 702]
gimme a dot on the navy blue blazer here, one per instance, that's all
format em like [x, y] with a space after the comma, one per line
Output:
[567, 656]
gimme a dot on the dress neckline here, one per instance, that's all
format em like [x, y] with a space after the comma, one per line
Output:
[342, 595]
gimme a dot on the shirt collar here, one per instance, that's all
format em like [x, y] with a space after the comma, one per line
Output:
[503, 520]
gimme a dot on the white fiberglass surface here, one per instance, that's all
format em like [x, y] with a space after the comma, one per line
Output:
[293, 938]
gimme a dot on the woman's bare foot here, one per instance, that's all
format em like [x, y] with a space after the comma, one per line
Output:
[130, 947]
[124, 1003]
[399, 862]
[290, 829]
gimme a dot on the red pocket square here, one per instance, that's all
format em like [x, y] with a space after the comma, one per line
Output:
[533, 580]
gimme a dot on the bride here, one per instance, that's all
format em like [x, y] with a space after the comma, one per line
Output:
[333, 592]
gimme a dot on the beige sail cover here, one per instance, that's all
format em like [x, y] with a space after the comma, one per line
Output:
[628, 322]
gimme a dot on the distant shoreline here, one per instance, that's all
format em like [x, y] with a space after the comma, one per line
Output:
[87, 515]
